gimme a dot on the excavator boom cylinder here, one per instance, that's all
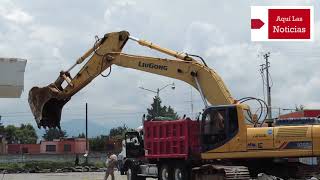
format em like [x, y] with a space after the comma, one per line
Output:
[178, 55]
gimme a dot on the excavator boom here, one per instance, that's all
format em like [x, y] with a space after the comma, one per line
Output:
[46, 103]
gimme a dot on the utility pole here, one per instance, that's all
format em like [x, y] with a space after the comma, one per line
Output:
[86, 127]
[191, 102]
[158, 102]
[87, 149]
[266, 56]
[266, 67]
[191, 99]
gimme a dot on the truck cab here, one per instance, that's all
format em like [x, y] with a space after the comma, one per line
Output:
[134, 145]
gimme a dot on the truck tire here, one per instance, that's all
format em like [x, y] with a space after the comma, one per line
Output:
[165, 172]
[132, 175]
[180, 173]
[122, 172]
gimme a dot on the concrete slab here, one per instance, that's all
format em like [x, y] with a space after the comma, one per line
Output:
[12, 77]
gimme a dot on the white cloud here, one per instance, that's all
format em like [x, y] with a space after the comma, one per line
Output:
[206, 34]
[47, 34]
[53, 35]
[12, 13]
[18, 16]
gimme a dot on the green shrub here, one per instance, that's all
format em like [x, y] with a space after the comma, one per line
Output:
[47, 165]
[10, 166]
[99, 164]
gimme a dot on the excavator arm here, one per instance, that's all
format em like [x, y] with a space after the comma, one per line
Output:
[46, 103]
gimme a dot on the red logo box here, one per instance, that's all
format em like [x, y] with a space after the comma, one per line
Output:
[289, 24]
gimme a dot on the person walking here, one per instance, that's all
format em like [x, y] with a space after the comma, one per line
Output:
[76, 162]
[111, 163]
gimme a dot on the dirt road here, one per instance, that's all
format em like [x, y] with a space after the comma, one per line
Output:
[60, 176]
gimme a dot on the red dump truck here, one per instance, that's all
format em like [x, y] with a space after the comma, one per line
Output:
[170, 150]
[164, 149]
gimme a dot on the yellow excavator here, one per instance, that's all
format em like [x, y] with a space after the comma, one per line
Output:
[233, 146]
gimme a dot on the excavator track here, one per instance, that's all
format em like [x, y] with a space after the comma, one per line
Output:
[220, 172]
[304, 171]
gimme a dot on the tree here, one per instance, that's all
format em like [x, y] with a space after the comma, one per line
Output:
[157, 110]
[300, 107]
[81, 135]
[54, 133]
[11, 134]
[118, 132]
[25, 134]
[2, 129]
[171, 113]
[98, 143]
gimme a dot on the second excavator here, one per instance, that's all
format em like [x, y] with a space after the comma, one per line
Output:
[224, 139]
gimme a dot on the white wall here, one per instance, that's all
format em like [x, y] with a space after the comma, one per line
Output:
[11, 77]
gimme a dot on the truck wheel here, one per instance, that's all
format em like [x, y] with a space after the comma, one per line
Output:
[165, 173]
[132, 175]
[121, 172]
[180, 173]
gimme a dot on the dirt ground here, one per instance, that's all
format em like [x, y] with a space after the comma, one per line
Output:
[60, 176]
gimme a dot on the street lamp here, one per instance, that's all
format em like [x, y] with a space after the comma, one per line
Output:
[157, 91]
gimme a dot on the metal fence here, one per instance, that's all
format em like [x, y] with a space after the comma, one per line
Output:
[92, 158]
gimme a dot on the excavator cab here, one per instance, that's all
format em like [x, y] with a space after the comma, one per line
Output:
[219, 124]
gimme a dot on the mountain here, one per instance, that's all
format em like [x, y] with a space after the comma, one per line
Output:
[76, 126]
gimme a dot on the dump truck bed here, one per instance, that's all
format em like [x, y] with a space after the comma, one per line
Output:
[171, 139]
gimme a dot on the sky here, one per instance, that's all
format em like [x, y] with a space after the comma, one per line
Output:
[51, 35]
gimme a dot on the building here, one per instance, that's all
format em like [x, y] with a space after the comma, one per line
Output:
[49, 147]
[57, 146]
[3, 145]
[302, 113]
[64, 146]
[23, 148]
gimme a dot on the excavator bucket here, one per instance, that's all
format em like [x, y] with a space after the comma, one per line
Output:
[46, 105]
